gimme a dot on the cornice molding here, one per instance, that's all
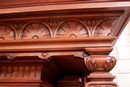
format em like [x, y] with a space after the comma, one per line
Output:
[24, 3]
[64, 44]
[100, 5]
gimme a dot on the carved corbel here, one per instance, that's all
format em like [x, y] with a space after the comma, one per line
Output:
[100, 65]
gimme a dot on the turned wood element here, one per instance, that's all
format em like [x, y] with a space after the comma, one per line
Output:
[57, 29]
[101, 79]
[100, 63]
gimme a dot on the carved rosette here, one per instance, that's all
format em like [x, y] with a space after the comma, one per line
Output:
[72, 29]
[100, 63]
[35, 31]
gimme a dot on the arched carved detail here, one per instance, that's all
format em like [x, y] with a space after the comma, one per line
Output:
[58, 29]
[99, 27]
[35, 30]
[6, 33]
[71, 29]
[104, 28]
[17, 28]
[91, 24]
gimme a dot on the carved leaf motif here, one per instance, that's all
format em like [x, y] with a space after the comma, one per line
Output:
[91, 64]
[17, 26]
[35, 31]
[109, 64]
[53, 24]
[6, 33]
[92, 22]
[72, 30]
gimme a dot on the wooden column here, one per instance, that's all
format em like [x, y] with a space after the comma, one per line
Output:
[99, 63]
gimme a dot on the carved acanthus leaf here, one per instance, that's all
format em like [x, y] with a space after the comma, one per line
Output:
[91, 64]
[109, 64]
[100, 63]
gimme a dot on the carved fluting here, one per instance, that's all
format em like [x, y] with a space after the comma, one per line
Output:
[100, 63]
[57, 29]
[20, 71]
[71, 30]
[35, 31]
[6, 33]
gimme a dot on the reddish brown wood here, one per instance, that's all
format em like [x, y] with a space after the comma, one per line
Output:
[61, 43]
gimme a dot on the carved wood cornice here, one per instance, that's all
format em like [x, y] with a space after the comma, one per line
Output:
[92, 27]
[25, 3]
[99, 50]
[51, 30]
[63, 6]
[55, 44]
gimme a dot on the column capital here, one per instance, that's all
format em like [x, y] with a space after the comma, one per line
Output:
[100, 63]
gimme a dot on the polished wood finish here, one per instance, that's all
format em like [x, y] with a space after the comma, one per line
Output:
[59, 43]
